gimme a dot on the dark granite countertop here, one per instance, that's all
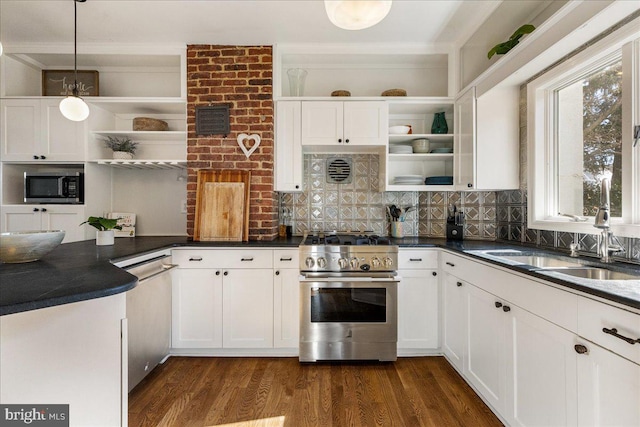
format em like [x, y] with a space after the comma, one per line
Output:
[81, 271]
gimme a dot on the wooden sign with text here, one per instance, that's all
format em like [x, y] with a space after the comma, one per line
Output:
[60, 83]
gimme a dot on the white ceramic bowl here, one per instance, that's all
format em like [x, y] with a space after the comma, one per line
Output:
[27, 246]
[399, 130]
[421, 145]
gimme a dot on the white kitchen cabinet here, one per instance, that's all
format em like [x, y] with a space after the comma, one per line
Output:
[223, 298]
[288, 165]
[197, 308]
[608, 388]
[486, 140]
[34, 130]
[418, 302]
[454, 319]
[286, 298]
[540, 371]
[45, 217]
[338, 123]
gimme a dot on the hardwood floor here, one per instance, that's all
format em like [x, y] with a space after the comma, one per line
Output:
[270, 392]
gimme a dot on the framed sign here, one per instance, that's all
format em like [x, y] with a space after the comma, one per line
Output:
[60, 83]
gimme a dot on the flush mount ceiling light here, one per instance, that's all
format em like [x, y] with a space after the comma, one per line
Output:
[356, 14]
[73, 107]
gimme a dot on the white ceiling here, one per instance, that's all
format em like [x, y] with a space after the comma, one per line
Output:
[242, 22]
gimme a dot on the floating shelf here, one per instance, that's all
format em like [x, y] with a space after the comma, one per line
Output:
[433, 137]
[142, 164]
[169, 135]
[418, 156]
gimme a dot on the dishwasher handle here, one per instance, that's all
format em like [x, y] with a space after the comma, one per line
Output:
[165, 269]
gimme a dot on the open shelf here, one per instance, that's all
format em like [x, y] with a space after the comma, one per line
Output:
[168, 135]
[142, 164]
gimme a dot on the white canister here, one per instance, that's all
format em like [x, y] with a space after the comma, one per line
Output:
[396, 229]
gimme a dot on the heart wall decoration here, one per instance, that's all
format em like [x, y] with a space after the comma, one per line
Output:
[241, 142]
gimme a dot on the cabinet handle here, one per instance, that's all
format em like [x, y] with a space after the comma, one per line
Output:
[339, 140]
[498, 304]
[247, 259]
[43, 157]
[614, 332]
[218, 273]
[44, 209]
[415, 259]
[458, 284]
[286, 259]
[195, 258]
[226, 273]
[35, 157]
[450, 264]
[36, 210]
[297, 186]
[346, 140]
[581, 349]
[469, 185]
[277, 273]
[506, 309]
[434, 273]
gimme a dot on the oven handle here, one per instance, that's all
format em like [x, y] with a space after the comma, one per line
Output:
[350, 279]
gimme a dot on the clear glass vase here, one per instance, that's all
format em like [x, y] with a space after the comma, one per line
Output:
[297, 77]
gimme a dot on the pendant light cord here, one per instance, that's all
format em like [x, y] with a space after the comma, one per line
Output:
[75, 48]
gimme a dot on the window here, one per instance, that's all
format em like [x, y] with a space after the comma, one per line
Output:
[581, 119]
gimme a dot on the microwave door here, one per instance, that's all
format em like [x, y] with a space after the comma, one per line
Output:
[43, 188]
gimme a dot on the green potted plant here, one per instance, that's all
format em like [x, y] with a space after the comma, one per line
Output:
[105, 227]
[504, 47]
[123, 147]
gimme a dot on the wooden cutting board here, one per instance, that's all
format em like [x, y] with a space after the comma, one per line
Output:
[222, 206]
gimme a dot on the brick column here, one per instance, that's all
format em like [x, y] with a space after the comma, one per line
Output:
[240, 76]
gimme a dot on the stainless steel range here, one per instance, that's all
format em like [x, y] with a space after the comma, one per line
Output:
[349, 298]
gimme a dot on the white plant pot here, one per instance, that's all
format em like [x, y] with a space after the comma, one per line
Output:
[122, 155]
[104, 238]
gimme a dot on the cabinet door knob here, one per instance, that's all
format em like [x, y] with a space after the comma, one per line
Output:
[43, 157]
[44, 209]
[581, 349]
[469, 185]
[35, 157]
[339, 140]
[297, 186]
[226, 273]
[498, 304]
[434, 273]
[458, 284]
[36, 210]
[218, 273]
[346, 141]
[506, 309]
[277, 273]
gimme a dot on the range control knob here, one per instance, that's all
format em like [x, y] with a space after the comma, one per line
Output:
[375, 262]
[322, 262]
[387, 262]
[343, 263]
[354, 262]
[309, 262]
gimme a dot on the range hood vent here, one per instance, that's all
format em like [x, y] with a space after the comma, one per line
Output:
[339, 170]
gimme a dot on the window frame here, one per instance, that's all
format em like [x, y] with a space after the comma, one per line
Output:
[541, 119]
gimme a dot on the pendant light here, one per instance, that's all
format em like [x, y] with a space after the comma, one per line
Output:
[73, 106]
[356, 14]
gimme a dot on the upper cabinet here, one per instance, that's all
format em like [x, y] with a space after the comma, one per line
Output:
[34, 130]
[486, 140]
[344, 123]
[288, 167]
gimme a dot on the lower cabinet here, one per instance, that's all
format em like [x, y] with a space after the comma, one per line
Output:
[418, 302]
[235, 299]
[531, 371]
[45, 217]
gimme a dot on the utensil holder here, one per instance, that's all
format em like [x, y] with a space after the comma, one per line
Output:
[396, 229]
[297, 77]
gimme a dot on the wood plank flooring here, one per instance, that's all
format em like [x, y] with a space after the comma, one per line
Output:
[281, 392]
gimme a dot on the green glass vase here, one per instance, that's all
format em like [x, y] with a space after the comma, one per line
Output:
[439, 125]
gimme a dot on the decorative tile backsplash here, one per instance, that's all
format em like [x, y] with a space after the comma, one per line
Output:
[359, 206]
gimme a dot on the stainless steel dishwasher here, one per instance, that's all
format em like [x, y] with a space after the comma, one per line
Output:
[149, 317]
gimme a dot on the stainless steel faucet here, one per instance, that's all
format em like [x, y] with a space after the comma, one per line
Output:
[609, 244]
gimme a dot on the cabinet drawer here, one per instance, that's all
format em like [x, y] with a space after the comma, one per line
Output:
[594, 316]
[417, 259]
[223, 258]
[286, 258]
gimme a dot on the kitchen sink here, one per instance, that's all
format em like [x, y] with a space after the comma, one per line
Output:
[596, 273]
[541, 261]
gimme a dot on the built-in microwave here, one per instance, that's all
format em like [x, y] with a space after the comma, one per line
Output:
[50, 187]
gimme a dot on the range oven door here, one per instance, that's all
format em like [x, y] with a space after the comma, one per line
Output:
[348, 318]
